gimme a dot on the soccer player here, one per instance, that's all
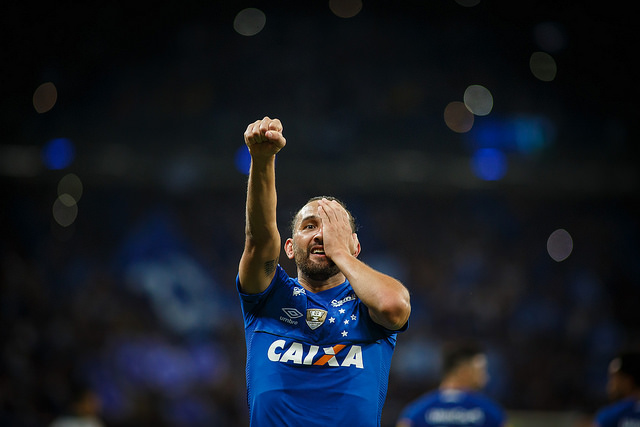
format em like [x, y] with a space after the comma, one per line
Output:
[319, 346]
[623, 387]
[458, 401]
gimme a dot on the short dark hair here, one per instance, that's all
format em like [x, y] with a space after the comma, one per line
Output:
[352, 220]
[630, 365]
[456, 353]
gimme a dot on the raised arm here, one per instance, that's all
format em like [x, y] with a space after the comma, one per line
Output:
[262, 240]
[387, 299]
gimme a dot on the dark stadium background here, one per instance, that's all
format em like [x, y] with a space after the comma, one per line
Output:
[130, 287]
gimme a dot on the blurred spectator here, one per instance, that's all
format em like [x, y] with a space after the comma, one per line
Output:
[458, 401]
[624, 389]
[71, 305]
[138, 294]
[83, 410]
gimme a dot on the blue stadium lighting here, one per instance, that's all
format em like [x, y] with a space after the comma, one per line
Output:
[58, 153]
[520, 134]
[489, 164]
[242, 160]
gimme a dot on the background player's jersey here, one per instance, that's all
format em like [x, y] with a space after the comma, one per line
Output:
[314, 359]
[449, 408]
[625, 413]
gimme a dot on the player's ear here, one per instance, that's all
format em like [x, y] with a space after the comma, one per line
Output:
[356, 245]
[288, 248]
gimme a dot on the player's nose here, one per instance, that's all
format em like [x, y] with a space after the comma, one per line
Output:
[318, 235]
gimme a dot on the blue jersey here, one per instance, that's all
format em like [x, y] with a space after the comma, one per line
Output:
[449, 408]
[625, 413]
[313, 359]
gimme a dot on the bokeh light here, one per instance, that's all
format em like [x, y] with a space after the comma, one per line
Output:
[345, 8]
[543, 66]
[242, 160]
[67, 199]
[58, 153]
[559, 245]
[489, 164]
[458, 117]
[45, 97]
[524, 134]
[119, 276]
[70, 185]
[478, 100]
[65, 210]
[249, 22]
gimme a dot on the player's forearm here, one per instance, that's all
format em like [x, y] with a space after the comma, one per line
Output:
[387, 299]
[261, 222]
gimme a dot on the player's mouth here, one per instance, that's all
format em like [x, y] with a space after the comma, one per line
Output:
[317, 250]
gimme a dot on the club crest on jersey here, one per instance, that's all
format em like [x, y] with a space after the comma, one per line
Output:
[315, 317]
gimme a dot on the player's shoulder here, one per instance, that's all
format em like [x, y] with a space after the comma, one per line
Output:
[483, 399]
[281, 285]
[425, 400]
[282, 279]
[413, 410]
[437, 398]
[608, 415]
[456, 404]
[455, 396]
[492, 410]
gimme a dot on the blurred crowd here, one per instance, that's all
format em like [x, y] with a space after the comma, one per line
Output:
[135, 303]
[136, 300]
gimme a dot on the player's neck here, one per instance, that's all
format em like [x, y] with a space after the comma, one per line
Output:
[454, 383]
[316, 286]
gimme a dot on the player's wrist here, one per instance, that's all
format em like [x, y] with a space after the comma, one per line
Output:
[341, 256]
[262, 161]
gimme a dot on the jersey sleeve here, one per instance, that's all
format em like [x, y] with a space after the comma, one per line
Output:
[252, 302]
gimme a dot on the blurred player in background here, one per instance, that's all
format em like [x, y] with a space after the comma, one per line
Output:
[458, 401]
[83, 409]
[319, 346]
[623, 388]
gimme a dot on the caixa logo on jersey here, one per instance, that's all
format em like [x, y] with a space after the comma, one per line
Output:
[339, 355]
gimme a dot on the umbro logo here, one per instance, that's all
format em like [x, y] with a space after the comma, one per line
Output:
[292, 313]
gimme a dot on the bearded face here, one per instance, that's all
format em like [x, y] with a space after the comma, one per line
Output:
[315, 269]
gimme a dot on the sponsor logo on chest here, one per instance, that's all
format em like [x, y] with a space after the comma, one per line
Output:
[338, 303]
[339, 355]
